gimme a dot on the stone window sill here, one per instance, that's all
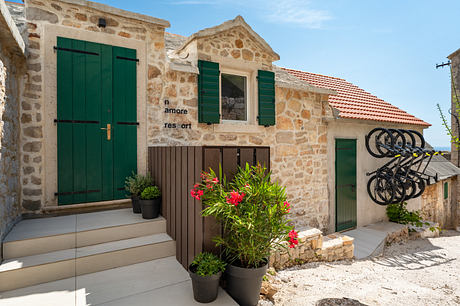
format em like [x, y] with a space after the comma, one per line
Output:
[239, 128]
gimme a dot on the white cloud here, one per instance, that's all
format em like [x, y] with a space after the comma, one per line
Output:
[297, 12]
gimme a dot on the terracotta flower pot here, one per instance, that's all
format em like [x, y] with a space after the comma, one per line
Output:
[243, 284]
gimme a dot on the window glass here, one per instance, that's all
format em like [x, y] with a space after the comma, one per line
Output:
[233, 97]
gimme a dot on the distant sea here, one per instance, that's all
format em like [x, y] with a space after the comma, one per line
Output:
[442, 148]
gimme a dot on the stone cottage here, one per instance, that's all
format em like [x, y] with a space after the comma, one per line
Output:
[94, 93]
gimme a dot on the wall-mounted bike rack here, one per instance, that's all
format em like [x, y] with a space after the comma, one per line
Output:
[401, 178]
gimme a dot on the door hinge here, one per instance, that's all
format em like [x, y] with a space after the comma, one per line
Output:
[128, 59]
[74, 50]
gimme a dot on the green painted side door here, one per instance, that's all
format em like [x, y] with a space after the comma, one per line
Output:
[345, 184]
[96, 90]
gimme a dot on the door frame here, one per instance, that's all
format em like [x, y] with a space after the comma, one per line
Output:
[49, 102]
[335, 182]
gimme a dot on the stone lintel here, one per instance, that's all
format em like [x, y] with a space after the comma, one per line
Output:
[119, 12]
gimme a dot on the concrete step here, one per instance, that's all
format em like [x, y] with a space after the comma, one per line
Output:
[158, 282]
[368, 242]
[36, 269]
[44, 235]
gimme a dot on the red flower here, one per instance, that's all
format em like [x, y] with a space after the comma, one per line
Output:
[293, 234]
[215, 180]
[288, 206]
[196, 194]
[235, 198]
[293, 241]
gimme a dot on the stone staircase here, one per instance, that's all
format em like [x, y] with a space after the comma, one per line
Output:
[48, 249]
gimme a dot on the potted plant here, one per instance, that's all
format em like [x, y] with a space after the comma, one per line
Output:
[253, 212]
[205, 272]
[134, 185]
[150, 202]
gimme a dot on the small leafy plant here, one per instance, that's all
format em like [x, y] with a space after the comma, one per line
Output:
[400, 214]
[136, 183]
[206, 264]
[151, 193]
[253, 212]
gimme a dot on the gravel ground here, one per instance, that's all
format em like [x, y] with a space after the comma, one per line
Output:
[418, 272]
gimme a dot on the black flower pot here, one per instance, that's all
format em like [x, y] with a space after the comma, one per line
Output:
[136, 205]
[150, 208]
[243, 284]
[205, 288]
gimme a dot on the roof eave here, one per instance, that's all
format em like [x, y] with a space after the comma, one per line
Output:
[453, 54]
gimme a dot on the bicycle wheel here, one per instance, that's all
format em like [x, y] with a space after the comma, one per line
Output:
[380, 190]
[379, 142]
[419, 184]
[420, 140]
[399, 140]
[410, 138]
[400, 191]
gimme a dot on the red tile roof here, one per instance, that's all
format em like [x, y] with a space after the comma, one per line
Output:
[355, 103]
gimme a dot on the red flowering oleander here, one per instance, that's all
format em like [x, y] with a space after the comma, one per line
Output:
[196, 193]
[287, 206]
[253, 211]
[293, 241]
[235, 198]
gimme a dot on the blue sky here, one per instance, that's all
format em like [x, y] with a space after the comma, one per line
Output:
[388, 48]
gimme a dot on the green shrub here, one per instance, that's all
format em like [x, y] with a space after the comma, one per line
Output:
[253, 212]
[399, 213]
[151, 193]
[206, 264]
[136, 183]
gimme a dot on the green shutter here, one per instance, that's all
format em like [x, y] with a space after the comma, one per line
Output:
[208, 92]
[446, 190]
[266, 97]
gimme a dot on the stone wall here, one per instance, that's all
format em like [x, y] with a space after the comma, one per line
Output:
[11, 70]
[437, 209]
[84, 18]
[313, 246]
[234, 44]
[9, 163]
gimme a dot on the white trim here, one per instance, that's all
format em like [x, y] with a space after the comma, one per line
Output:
[250, 96]
[51, 32]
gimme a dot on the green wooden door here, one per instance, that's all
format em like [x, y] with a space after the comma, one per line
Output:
[96, 89]
[345, 184]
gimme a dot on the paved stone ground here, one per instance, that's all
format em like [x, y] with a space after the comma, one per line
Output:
[418, 272]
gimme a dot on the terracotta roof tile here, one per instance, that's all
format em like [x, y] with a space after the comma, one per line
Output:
[355, 103]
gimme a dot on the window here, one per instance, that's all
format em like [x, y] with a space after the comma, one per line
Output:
[446, 190]
[234, 97]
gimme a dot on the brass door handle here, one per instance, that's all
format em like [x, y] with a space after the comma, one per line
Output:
[109, 130]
